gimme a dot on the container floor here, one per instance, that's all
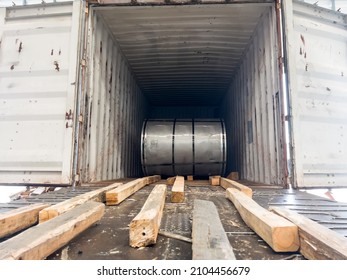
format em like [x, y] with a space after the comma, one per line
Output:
[109, 238]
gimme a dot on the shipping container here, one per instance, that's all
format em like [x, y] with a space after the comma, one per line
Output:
[77, 81]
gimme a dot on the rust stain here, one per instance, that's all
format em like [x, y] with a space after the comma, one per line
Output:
[20, 47]
[302, 39]
[68, 115]
[56, 65]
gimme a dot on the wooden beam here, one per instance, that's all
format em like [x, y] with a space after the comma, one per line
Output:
[210, 241]
[226, 183]
[116, 196]
[317, 242]
[40, 241]
[279, 233]
[19, 219]
[214, 180]
[190, 178]
[170, 180]
[145, 226]
[233, 176]
[62, 207]
[177, 191]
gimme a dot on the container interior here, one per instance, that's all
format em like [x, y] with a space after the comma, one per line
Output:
[182, 61]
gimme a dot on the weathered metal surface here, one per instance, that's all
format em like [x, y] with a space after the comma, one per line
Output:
[335, 5]
[109, 239]
[183, 147]
[38, 61]
[251, 109]
[7, 3]
[114, 110]
[317, 57]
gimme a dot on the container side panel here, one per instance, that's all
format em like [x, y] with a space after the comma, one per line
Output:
[252, 130]
[116, 110]
[318, 95]
[38, 63]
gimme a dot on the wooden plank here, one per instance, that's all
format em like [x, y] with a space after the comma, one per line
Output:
[19, 219]
[40, 241]
[279, 233]
[190, 178]
[170, 180]
[233, 176]
[116, 196]
[145, 226]
[62, 207]
[214, 180]
[210, 241]
[317, 242]
[177, 191]
[226, 183]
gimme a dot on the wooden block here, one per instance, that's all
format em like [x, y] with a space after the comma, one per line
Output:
[214, 180]
[210, 241]
[62, 207]
[279, 233]
[40, 241]
[171, 180]
[19, 219]
[190, 178]
[233, 176]
[226, 183]
[317, 242]
[145, 226]
[177, 191]
[116, 196]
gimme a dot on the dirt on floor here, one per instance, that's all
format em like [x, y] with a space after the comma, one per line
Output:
[108, 239]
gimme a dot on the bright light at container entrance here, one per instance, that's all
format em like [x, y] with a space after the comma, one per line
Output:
[6, 192]
[339, 195]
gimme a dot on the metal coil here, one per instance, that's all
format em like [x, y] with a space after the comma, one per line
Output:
[183, 147]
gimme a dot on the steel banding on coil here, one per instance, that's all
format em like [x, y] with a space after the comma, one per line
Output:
[183, 147]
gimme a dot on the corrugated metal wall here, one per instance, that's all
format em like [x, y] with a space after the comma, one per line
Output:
[115, 111]
[318, 78]
[187, 112]
[250, 109]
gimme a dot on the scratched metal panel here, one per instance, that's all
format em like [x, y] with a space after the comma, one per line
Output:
[38, 56]
[251, 111]
[335, 5]
[7, 3]
[114, 111]
[318, 96]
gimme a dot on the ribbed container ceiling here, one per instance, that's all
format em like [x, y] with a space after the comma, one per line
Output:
[183, 55]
